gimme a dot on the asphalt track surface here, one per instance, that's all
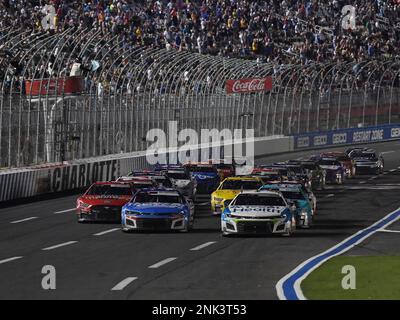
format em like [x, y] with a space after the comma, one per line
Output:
[93, 259]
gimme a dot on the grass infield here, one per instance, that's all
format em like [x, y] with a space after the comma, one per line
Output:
[377, 278]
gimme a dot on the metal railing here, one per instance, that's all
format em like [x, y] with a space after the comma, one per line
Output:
[140, 88]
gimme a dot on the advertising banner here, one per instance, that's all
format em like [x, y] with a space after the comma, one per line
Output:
[347, 136]
[249, 85]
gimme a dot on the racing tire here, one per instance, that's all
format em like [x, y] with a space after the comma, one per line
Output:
[288, 234]
[191, 225]
[187, 229]
[81, 221]
[323, 184]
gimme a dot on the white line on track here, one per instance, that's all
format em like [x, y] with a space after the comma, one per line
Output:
[373, 178]
[59, 245]
[387, 152]
[204, 245]
[64, 211]
[362, 182]
[9, 259]
[203, 203]
[390, 231]
[329, 195]
[161, 263]
[120, 286]
[23, 220]
[106, 231]
[393, 170]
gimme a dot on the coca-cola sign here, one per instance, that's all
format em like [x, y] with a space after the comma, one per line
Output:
[249, 85]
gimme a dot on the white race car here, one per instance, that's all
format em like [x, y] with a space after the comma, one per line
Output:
[258, 212]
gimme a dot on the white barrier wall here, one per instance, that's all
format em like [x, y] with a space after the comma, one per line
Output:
[29, 182]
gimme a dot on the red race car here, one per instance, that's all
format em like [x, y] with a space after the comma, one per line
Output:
[344, 159]
[103, 201]
[225, 170]
[267, 175]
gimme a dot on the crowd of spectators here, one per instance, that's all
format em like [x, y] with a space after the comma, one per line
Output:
[295, 31]
[277, 31]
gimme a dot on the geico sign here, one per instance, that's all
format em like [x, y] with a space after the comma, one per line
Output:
[320, 140]
[249, 85]
[339, 138]
[303, 142]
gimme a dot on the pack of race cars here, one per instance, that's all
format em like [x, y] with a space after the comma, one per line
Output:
[273, 198]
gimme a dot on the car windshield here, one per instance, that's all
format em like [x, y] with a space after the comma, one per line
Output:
[110, 190]
[268, 176]
[142, 185]
[160, 198]
[178, 175]
[241, 185]
[293, 195]
[284, 172]
[364, 155]
[329, 163]
[223, 166]
[298, 170]
[258, 200]
[202, 169]
[343, 158]
[163, 181]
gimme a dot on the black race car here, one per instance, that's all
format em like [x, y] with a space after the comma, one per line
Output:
[367, 161]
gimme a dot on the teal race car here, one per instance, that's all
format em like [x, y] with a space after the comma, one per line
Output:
[295, 196]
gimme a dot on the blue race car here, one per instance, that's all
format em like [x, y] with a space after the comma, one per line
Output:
[206, 176]
[294, 195]
[158, 209]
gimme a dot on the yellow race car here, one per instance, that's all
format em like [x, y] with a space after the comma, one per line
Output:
[230, 188]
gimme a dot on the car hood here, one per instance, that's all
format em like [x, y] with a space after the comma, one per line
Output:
[256, 211]
[105, 200]
[166, 208]
[225, 194]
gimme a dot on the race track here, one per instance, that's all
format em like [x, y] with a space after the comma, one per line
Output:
[92, 259]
